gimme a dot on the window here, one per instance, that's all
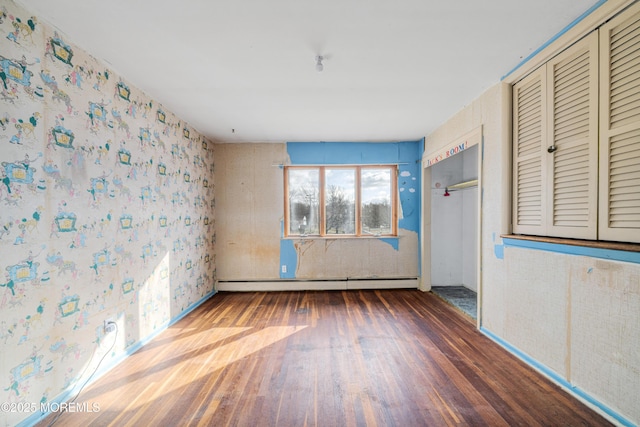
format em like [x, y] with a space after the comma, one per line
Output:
[340, 201]
[576, 135]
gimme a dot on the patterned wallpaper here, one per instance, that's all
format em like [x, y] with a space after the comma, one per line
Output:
[106, 211]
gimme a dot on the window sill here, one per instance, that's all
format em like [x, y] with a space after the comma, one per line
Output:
[340, 237]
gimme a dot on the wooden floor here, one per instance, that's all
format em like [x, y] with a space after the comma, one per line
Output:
[331, 358]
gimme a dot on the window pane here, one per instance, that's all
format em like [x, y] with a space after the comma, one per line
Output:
[340, 201]
[376, 201]
[304, 188]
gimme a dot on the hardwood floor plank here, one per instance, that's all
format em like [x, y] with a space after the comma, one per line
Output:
[343, 358]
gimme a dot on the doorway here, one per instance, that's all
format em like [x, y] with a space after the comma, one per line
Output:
[452, 218]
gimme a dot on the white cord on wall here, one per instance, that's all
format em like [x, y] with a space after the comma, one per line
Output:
[115, 337]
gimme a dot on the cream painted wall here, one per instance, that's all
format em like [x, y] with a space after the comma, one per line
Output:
[250, 212]
[577, 316]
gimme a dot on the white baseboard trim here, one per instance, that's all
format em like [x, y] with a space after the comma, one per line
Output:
[315, 285]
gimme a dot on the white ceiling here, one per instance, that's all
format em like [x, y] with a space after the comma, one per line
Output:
[395, 69]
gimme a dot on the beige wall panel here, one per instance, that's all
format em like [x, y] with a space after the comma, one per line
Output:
[250, 210]
[537, 306]
[605, 332]
[407, 264]
[321, 258]
[355, 258]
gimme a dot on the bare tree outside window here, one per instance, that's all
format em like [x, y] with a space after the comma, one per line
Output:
[337, 211]
[304, 188]
[375, 201]
[340, 201]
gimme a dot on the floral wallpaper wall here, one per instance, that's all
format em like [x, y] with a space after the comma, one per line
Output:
[106, 212]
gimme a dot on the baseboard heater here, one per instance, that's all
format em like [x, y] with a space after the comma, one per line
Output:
[315, 285]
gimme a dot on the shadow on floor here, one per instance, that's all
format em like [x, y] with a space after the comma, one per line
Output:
[463, 298]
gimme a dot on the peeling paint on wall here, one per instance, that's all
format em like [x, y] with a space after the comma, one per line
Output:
[498, 249]
[354, 257]
[393, 241]
[288, 259]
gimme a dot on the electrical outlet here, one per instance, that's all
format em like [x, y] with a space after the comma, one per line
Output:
[284, 268]
[109, 326]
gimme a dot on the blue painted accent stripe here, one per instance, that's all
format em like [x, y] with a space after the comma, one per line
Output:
[557, 378]
[345, 153]
[421, 144]
[556, 37]
[69, 393]
[610, 254]
[498, 250]
[393, 241]
[288, 257]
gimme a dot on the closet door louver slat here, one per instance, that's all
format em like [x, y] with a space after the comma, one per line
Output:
[573, 117]
[528, 130]
[620, 128]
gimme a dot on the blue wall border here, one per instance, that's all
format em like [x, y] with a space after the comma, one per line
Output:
[552, 375]
[588, 251]
[70, 393]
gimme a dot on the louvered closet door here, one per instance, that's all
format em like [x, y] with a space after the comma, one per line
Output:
[572, 141]
[620, 128]
[529, 97]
